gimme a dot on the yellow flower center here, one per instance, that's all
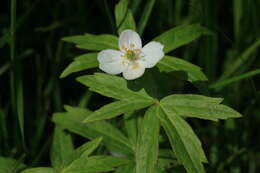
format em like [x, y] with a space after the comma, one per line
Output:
[132, 55]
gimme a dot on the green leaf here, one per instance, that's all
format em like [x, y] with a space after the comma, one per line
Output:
[112, 86]
[193, 97]
[225, 82]
[94, 42]
[240, 60]
[124, 17]
[89, 147]
[94, 164]
[9, 165]
[148, 143]
[145, 16]
[112, 137]
[171, 64]
[39, 170]
[20, 103]
[238, 11]
[85, 150]
[130, 124]
[180, 36]
[3, 128]
[62, 148]
[185, 143]
[158, 170]
[4, 68]
[77, 111]
[83, 62]
[16, 77]
[198, 106]
[165, 163]
[117, 108]
[129, 168]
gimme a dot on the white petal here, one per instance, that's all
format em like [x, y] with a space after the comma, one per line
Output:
[134, 70]
[153, 53]
[129, 39]
[112, 62]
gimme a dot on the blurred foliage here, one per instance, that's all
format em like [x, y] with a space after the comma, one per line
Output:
[33, 59]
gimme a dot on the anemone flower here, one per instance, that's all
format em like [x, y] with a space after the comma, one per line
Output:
[131, 59]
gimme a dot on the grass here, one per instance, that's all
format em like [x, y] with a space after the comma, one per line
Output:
[33, 57]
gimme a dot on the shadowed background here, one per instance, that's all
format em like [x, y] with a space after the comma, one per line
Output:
[29, 72]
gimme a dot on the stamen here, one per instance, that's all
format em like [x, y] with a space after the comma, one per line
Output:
[123, 56]
[124, 62]
[132, 45]
[132, 54]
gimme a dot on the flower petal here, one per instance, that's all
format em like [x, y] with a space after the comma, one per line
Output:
[112, 62]
[153, 53]
[129, 39]
[134, 70]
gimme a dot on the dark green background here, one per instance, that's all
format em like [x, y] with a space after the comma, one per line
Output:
[231, 146]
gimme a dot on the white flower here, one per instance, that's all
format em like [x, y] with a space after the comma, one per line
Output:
[132, 59]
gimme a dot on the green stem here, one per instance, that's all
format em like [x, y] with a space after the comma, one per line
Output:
[16, 77]
[110, 17]
[12, 50]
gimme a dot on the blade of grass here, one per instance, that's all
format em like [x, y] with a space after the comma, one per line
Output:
[145, 16]
[43, 150]
[16, 77]
[175, 14]
[3, 132]
[237, 15]
[4, 68]
[12, 52]
[109, 14]
[83, 103]
[135, 5]
[243, 58]
[20, 103]
[17, 164]
[255, 93]
[222, 83]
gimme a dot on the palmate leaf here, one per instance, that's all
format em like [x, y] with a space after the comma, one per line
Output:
[95, 164]
[117, 108]
[9, 164]
[199, 107]
[87, 148]
[116, 87]
[180, 36]
[94, 42]
[171, 64]
[185, 143]
[131, 127]
[129, 168]
[84, 151]
[124, 17]
[40, 170]
[113, 86]
[82, 62]
[82, 112]
[112, 137]
[148, 142]
[62, 147]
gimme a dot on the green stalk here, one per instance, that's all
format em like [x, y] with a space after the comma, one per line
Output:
[145, 16]
[12, 51]
[15, 79]
[110, 17]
